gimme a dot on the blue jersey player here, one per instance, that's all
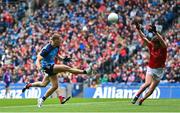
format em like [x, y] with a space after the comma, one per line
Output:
[46, 62]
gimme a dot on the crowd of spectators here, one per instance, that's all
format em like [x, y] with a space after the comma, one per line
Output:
[88, 37]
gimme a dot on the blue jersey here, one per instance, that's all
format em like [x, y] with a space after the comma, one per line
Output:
[48, 53]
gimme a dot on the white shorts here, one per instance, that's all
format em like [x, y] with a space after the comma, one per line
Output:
[157, 73]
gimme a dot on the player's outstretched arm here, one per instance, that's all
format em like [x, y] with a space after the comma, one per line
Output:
[141, 34]
[162, 42]
[38, 61]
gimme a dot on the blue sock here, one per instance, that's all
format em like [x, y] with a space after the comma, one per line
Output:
[44, 98]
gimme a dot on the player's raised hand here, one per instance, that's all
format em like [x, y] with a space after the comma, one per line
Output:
[152, 29]
[138, 27]
[67, 59]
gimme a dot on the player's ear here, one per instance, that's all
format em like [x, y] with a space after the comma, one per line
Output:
[50, 41]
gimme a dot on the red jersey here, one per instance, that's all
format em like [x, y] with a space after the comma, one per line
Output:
[157, 56]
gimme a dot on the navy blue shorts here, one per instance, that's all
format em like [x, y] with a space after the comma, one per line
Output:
[49, 70]
[7, 84]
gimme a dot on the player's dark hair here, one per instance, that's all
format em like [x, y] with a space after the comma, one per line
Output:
[155, 40]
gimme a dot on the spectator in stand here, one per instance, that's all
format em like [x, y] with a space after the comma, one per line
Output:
[7, 78]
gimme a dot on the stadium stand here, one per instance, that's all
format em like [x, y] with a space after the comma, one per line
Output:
[88, 37]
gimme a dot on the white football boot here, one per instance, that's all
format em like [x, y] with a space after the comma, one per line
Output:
[40, 102]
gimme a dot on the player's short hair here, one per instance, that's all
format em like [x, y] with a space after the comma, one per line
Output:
[54, 37]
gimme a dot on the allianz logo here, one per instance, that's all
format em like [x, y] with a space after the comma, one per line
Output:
[17, 93]
[115, 92]
[33, 93]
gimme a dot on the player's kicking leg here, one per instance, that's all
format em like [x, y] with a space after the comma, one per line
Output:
[65, 68]
[148, 80]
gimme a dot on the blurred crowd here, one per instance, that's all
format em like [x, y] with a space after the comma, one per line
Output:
[115, 49]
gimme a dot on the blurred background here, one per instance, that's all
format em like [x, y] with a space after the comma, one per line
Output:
[119, 56]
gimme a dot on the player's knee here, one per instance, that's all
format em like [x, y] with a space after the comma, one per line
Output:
[43, 85]
[66, 68]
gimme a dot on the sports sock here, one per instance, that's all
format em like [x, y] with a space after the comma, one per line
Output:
[29, 85]
[44, 98]
[60, 99]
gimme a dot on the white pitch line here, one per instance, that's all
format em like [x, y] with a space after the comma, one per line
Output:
[90, 112]
[85, 103]
[69, 104]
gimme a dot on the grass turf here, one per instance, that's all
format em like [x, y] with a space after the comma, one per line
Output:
[89, 105]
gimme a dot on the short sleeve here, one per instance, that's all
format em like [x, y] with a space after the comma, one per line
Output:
[44, 53]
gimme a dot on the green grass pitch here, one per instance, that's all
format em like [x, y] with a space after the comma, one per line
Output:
[89, 105]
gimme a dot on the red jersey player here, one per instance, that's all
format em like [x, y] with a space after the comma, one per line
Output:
[155, 69]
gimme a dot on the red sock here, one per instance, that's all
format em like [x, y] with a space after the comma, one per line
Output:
[142, 99]
[60, 99]
[29, 85]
